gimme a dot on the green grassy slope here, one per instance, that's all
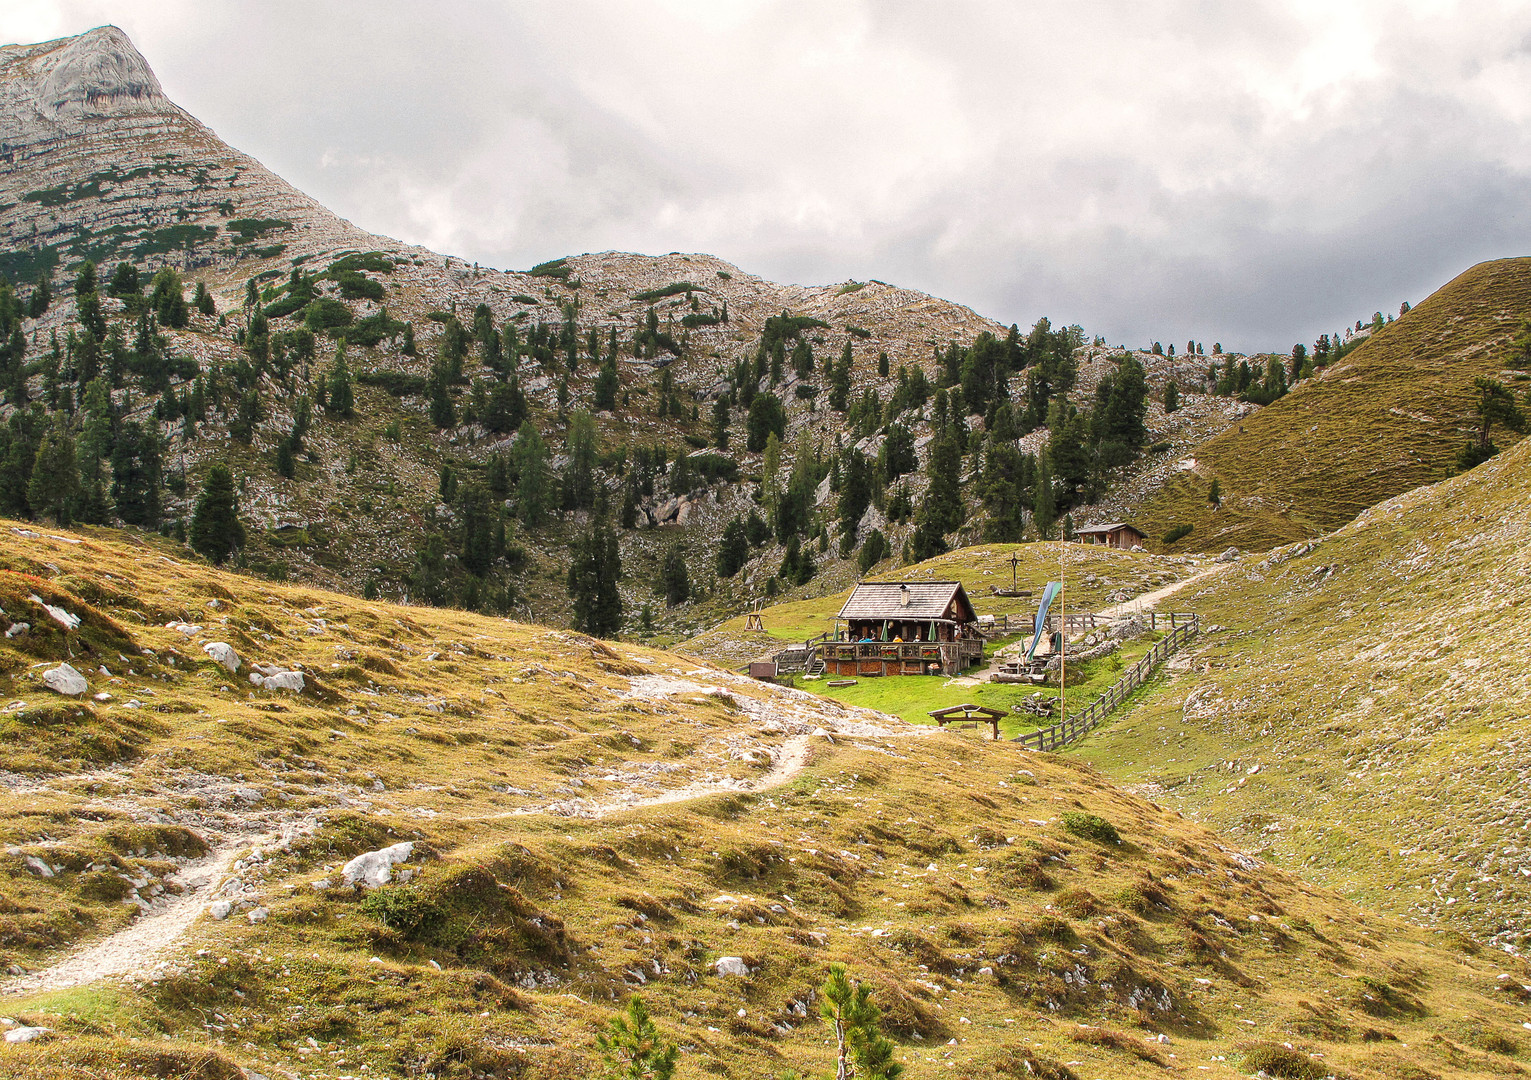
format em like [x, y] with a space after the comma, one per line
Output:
[950, 872]
[1388, 417]
[1379, 681]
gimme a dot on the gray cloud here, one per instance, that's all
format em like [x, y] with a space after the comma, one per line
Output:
[1255, 173]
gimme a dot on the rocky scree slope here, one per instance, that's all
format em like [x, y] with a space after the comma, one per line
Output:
[1016, 914]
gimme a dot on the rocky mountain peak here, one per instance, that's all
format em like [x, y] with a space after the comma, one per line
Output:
[95, 74]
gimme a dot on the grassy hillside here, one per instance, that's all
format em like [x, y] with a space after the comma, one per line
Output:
[1377, 679]
[1005, 930]
[1388, 417]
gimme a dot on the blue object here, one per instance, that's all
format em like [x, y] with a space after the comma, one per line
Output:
[1048, 595]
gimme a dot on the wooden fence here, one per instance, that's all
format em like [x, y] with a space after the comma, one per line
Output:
[1082, 622]
[1081, 723]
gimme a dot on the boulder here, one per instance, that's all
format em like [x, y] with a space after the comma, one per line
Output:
[65, 680]
[732, 965]
[375, 868]
[25, 1034]
[258, 915]
[1231, 555]
[278, 680]
[224, 654]
[220, 909]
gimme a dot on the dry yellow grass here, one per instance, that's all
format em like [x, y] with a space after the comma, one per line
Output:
[949, 871]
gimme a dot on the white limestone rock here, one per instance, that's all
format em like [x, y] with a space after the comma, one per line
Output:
[26, 1034]
[732, 965]
[375, 868]
[224, 654]
[65, 680]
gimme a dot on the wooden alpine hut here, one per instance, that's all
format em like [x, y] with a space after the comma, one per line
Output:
[1116, 534]
[904, 628]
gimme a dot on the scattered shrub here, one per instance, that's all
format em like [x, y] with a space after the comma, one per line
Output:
[1091, 827]
[675, 288]
[1279, 1061]
[1179, 532]
[397, 383]
[553, 268]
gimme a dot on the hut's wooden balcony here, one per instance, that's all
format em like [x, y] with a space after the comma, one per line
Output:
[901, 657]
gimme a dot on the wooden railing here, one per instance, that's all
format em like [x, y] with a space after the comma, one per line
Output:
[1081, 723]
[1081, 622]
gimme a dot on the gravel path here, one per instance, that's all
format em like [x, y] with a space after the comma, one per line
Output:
[137, 948]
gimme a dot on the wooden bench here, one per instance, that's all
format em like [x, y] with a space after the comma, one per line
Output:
[977, 714]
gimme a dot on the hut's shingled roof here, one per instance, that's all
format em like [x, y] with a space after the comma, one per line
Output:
[882, 600]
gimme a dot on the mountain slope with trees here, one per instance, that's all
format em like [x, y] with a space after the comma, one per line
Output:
[1393, 412]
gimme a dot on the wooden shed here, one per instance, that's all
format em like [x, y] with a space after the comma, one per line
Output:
[1116, 534]
[904, 628]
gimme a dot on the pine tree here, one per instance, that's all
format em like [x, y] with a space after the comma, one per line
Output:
[339, 398]
[855, 496]
[136, 467]
[720, 422]
[55, 480]
[85, 279]
[607, 383]
[1215, 493]
[882, 365]
[592, 582]
[216, 531]
[1043, 506]
[203, 300]
[443, 412]
[124, 281]
[673, 577]
[861, 1050]
[733, 549]
[1171, 396]
[42, 295]
[534, 486]
[873, 550]
[631, 1045]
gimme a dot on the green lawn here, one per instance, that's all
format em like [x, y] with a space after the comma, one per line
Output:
[913, 696]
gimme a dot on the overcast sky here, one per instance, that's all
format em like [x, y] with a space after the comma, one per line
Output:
[1254, 173]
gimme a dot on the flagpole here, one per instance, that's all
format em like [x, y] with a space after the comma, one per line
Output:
[1063, 628]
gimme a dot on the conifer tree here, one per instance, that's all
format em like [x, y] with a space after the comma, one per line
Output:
[861, 1050]
[1171, 396]
[607, 383]
[85, 279]
[594, 571]
[203, 300]
[216, 531]
[443, 411]
[55, 480]
[42, 294]
[534, 485]
[136, 469]
[339, 399]
[673, 577]
[1044, 506]
[631, 1045]
[733, 549]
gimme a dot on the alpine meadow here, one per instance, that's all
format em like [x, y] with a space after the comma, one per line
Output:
[630, 666]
